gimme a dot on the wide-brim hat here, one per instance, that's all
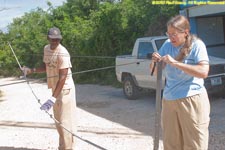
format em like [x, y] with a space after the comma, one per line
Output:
[54, 33]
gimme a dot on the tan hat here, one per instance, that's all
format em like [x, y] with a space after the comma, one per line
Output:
[54, 33]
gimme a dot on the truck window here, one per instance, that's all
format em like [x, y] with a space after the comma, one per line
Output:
[144, 48]
[159, 43]
[211, 31]
[217, 51]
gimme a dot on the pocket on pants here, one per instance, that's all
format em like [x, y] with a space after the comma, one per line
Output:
[66, 91]
[197, 107]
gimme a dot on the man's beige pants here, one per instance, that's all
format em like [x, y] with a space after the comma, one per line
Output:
[185, 123]
[64, 112]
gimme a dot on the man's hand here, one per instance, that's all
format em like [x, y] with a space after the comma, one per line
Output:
[26, 70]
[48, 104]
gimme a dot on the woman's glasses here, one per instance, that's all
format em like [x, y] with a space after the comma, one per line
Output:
[172, 35]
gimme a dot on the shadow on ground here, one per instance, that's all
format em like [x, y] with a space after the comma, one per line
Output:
[27, 124]
[13, 148]
[110, 103]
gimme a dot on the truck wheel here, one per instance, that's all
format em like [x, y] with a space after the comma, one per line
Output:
[130, 90]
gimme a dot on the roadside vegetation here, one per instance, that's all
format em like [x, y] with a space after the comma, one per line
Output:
[105, 28]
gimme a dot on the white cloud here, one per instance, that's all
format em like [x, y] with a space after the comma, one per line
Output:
[10, 9]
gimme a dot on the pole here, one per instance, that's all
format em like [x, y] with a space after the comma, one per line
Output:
[14, 55]
[158, 105]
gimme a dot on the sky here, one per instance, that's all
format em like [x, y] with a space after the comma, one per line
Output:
[10, 9]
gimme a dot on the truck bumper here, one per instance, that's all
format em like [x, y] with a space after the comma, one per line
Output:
[215, 85]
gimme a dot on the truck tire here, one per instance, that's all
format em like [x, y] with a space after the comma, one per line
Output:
[130, 90]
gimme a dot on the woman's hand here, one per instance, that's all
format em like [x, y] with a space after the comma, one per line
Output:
[156, 57]
[168, 59]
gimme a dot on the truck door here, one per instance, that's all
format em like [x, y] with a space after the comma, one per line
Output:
[142, 72]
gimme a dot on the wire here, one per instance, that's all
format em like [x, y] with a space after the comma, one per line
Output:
[77, 56]
[15, 55]
[74, 73]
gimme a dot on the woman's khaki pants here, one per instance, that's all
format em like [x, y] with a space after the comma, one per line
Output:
[185, 123]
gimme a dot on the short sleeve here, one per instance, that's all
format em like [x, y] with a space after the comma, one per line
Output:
[200, 51]
[64, 59]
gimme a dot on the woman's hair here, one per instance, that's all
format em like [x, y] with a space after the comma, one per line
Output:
[181, 23]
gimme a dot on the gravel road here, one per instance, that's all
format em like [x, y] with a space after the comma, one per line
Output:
[105, 118]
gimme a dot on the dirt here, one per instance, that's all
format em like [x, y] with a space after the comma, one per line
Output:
[106, 119]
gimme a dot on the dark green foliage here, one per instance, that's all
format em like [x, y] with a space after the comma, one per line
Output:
[89, 28]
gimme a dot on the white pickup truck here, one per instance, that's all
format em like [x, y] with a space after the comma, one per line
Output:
[134, 73]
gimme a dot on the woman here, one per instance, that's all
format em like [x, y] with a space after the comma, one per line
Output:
[185, 104]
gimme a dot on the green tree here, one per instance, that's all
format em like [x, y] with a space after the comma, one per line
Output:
[89, 28]
[28, 35]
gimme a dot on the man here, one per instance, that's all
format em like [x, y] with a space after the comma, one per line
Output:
[60, 81]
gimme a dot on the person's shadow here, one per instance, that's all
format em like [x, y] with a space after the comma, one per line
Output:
[13, 148]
